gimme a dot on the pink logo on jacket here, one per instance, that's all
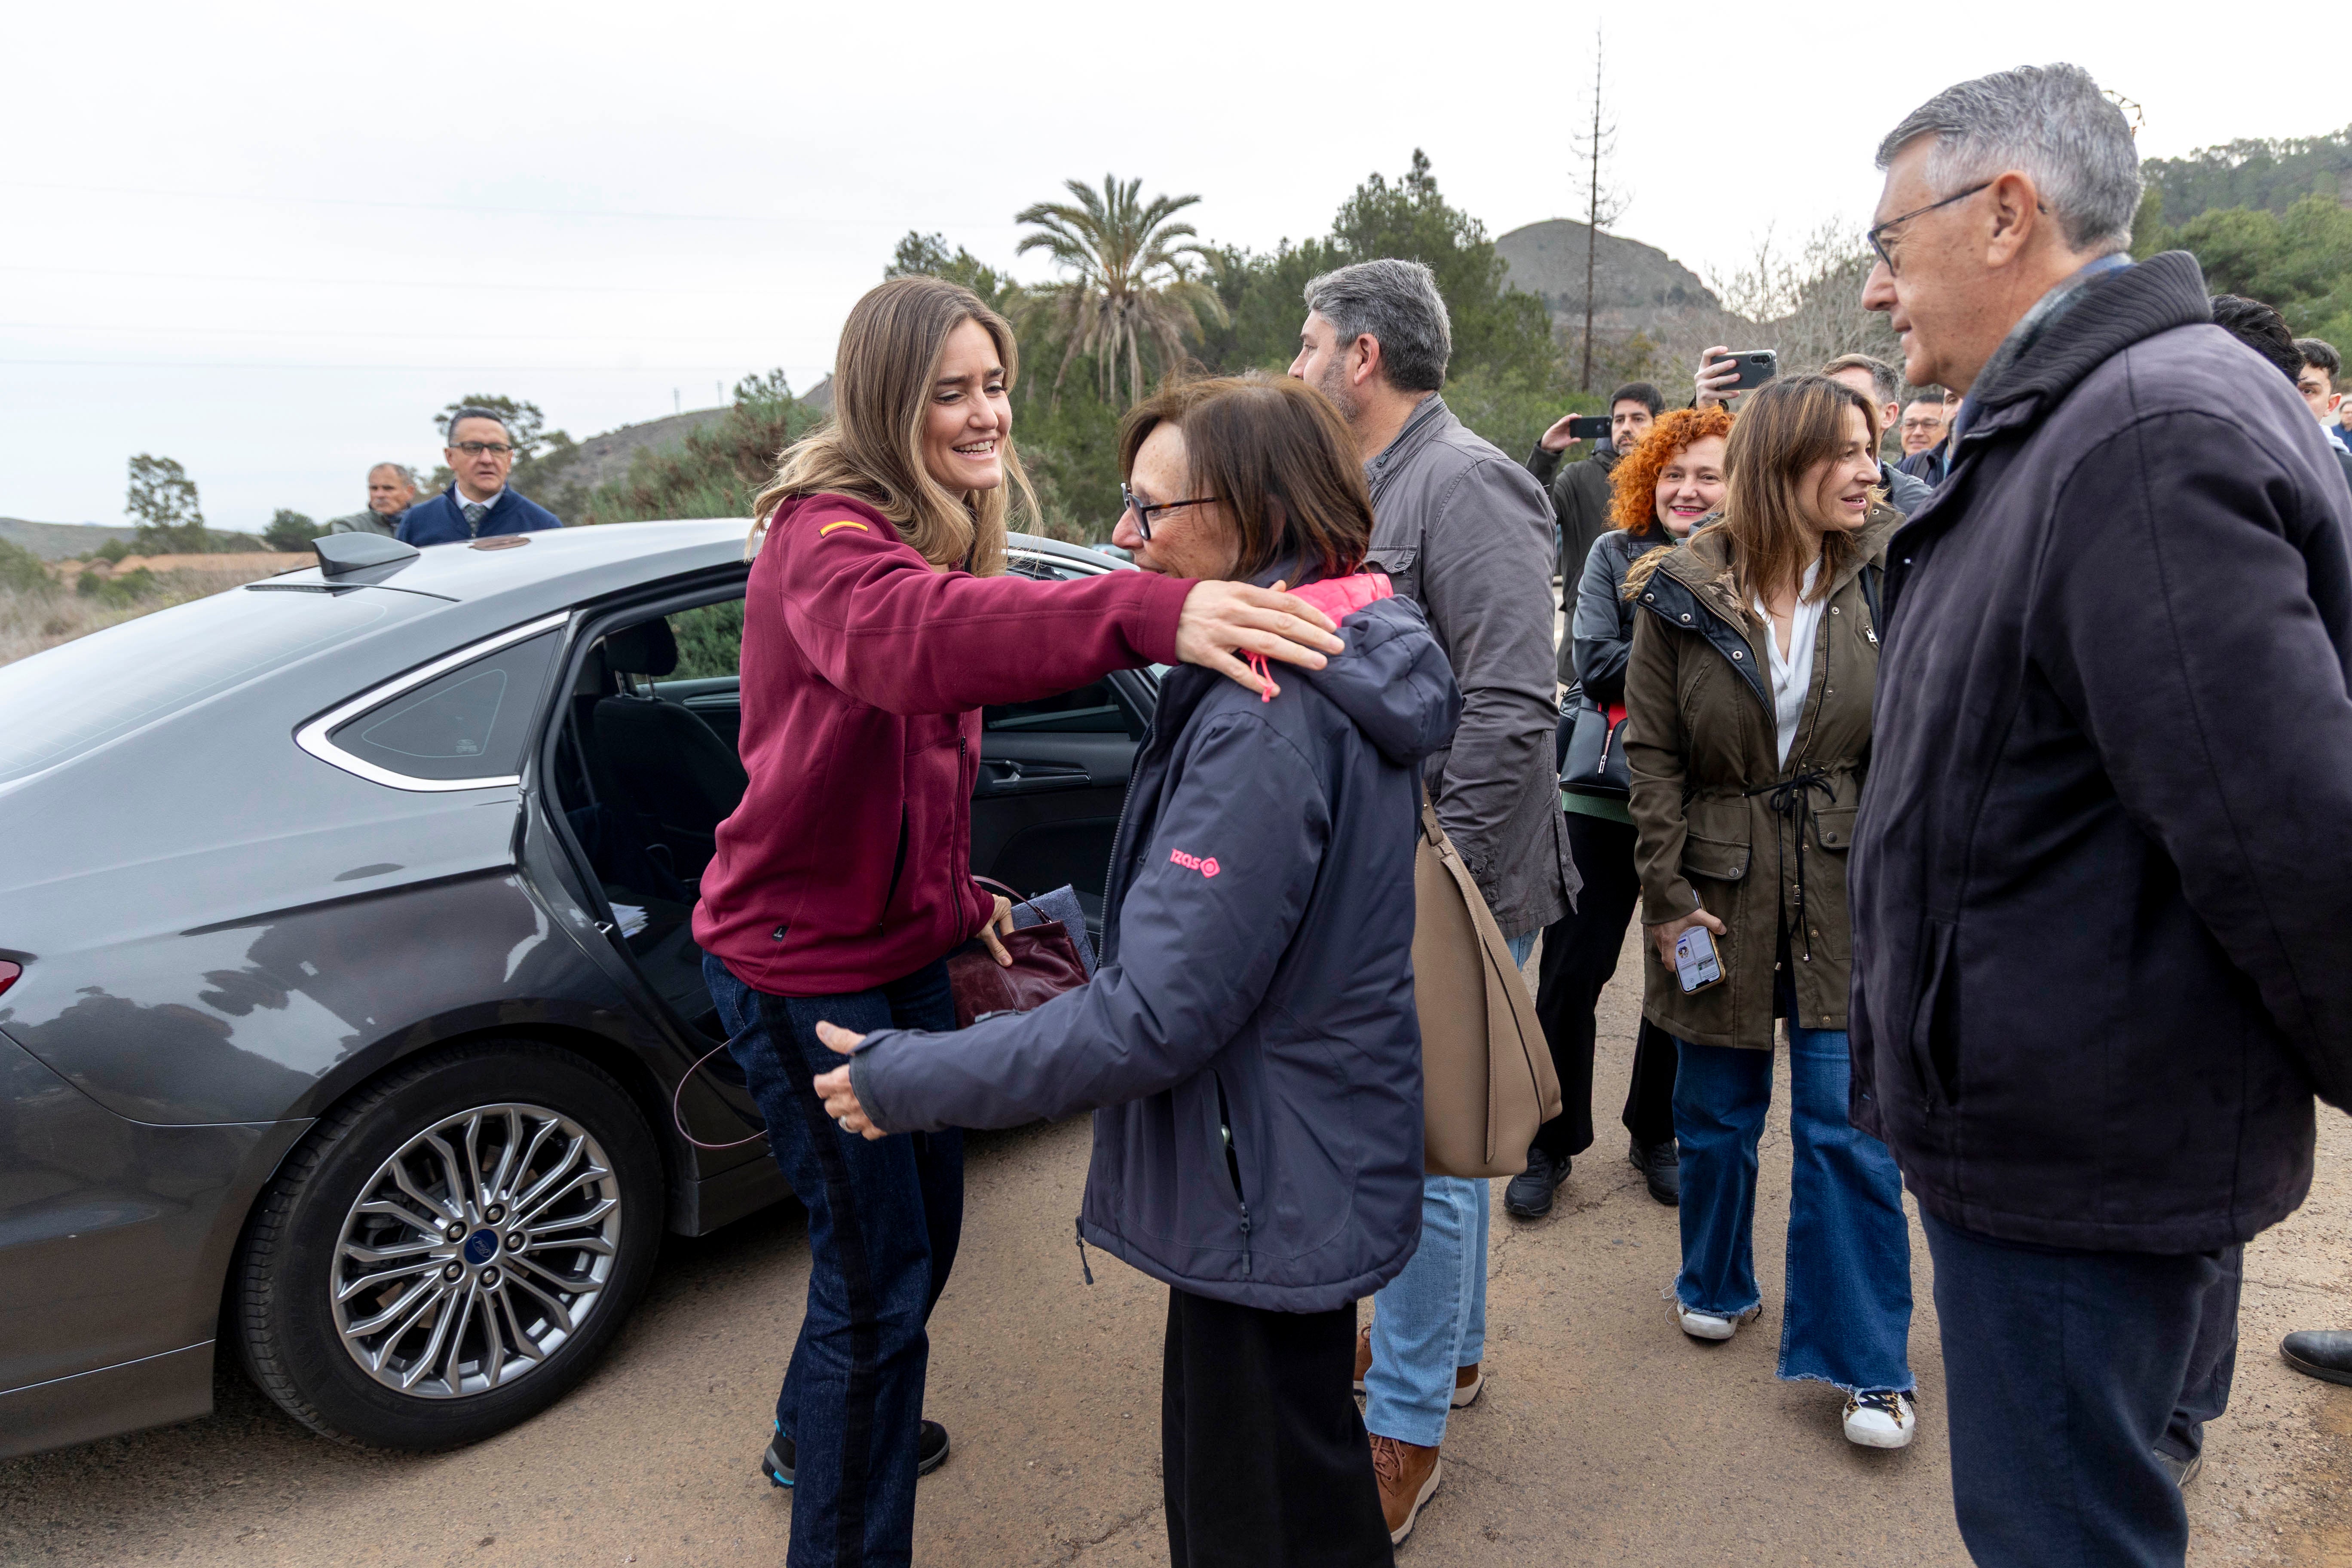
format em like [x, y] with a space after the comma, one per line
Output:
[1207, 868]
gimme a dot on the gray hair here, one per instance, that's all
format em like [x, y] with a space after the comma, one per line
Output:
[473, 411]
[407, 475]
[1397, 304]
[2050, 122]
[1885, 384]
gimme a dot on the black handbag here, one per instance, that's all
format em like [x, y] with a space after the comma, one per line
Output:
[1596, 752]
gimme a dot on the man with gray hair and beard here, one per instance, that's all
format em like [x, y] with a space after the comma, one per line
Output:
[2103, 940]
[392, 489]
[1465, 533]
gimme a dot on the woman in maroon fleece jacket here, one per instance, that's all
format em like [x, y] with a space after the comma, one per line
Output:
[876, 626]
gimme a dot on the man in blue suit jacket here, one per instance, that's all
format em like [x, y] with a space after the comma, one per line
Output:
[479, 503]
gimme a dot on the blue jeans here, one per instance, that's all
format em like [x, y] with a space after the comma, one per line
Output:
[1847, 1317]
[883, 1222]
[1432, 1319]
[2062, 1371]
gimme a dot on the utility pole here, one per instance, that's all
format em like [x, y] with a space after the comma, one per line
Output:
[1599, 206]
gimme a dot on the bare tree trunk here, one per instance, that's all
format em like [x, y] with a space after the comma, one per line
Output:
[1591, 217]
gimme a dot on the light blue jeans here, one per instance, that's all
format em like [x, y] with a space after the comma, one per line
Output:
[1432, 1319]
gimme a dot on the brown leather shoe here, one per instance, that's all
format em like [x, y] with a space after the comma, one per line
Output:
[1408, 1474]
[1469, 1383]
[1363, 1355]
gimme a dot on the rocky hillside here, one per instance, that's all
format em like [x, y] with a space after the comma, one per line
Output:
[1636, 286]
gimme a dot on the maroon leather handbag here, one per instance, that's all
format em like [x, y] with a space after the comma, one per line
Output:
[1044, 964]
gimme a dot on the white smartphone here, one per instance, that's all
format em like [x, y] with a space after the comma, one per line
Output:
[1694, 960]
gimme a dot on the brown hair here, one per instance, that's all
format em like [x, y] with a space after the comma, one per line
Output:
[1277, 456]
[872, 447]
[1788, 429]
[1634, 482]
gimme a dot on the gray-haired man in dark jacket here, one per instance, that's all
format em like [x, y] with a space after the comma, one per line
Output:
[2104, 943]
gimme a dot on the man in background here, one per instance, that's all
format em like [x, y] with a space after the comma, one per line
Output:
[480, 503]
[1464, 532]
[1927, 454]
[2317, 381]
[392, 489]
[1580, 495]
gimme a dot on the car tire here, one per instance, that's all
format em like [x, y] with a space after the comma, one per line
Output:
[386, 1305]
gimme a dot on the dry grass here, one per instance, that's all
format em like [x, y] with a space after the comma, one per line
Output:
[31, 622]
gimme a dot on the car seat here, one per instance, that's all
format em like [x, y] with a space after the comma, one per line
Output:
[673, 768]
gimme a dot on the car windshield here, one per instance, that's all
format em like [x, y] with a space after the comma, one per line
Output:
[57, 705]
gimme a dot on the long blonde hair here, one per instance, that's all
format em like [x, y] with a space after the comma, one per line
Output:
[872, 447]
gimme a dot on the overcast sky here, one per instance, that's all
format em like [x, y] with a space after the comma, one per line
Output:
[271, 241]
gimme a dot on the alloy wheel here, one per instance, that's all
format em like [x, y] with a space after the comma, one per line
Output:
[476, 1251]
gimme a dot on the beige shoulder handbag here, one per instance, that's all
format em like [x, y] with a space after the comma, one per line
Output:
[1487, 1076]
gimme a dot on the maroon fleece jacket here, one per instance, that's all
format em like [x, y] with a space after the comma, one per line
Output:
[848, 864]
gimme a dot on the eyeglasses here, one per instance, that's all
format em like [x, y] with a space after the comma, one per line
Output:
[1143, 513]
[1876, 237]
[476, 449]
[1934, 422]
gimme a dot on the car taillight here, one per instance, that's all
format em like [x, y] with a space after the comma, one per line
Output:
[9, 972]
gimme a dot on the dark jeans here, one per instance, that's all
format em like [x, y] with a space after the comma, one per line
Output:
[2062, 1372]
[1263, 1460]
[883, 1220]
[1579, 955]
[2212, 1361]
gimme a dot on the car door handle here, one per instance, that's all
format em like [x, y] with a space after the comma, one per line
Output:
[1010, 775]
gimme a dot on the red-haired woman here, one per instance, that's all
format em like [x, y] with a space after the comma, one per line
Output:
[1659, 490]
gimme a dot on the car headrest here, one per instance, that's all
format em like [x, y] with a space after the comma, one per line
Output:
[647, 648]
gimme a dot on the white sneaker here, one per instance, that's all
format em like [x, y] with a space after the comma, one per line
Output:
[1880, 1419]
[1706, 1325]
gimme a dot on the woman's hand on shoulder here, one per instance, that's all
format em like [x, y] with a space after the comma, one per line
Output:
[1221, 621]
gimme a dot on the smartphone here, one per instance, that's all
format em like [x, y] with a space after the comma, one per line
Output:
[1757, 366]
[1694, 960]
[1589, 426]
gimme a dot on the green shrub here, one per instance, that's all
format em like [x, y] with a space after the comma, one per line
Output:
[22, 570]
[121, 590]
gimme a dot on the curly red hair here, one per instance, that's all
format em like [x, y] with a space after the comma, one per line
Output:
[1634, 482]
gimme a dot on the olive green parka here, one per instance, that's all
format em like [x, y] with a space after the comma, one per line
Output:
[1721, 824]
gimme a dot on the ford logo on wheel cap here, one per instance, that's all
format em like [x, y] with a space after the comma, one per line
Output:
[481, 1246]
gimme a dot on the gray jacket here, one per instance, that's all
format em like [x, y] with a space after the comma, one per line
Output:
[1465, 533]
[365, 522]
[1906, 492]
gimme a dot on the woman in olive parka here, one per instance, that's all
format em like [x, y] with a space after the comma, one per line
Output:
[1749, 692]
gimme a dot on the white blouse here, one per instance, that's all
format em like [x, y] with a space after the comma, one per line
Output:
[1794, 674]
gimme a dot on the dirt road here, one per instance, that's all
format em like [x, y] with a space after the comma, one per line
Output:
[1605, 1438]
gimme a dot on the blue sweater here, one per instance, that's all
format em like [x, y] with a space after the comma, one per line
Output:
[438, 521]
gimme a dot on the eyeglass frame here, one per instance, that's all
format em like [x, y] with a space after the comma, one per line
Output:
[1143, 513]
[476, 449]
[1878, 247]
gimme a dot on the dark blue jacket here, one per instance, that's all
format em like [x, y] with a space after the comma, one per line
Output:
[1257, 977]
[2102, 928]
[438, 521]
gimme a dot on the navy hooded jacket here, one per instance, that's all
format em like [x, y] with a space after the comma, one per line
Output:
[1249, 1045]
[439, 521]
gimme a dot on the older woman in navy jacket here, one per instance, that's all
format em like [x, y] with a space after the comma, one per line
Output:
[1249, 1045]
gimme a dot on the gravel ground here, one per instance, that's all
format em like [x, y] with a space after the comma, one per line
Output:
[1606, 1437]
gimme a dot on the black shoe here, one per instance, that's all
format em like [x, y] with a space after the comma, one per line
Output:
[930, 1453]
[2323, 1353]
[1530, 1194]
[1660, 1165]
[2182, 1471]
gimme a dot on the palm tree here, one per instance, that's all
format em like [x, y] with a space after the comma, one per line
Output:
[1133, 280]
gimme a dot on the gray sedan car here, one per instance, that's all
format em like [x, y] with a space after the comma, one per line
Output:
[349, 1013]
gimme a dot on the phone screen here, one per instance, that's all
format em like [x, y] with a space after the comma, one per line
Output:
[1694, 960]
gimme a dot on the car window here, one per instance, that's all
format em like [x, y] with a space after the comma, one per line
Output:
[57, 705]
[1093, 710]
[469, 723]
[709, 640]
